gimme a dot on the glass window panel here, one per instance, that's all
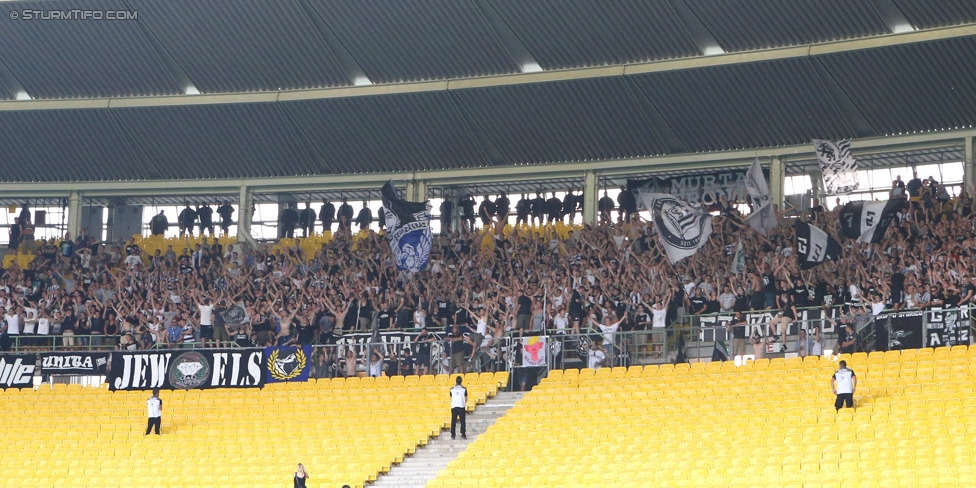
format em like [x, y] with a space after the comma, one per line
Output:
[952, 172]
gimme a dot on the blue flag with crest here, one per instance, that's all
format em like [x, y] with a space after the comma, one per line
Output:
[408, 229]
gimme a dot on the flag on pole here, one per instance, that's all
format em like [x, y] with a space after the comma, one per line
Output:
[814, 246]
[408, 229]
[868, 221]
[838, 166]
[720, 352]
[763, 218]
[681, 228]
[738, 265]
[236, 315]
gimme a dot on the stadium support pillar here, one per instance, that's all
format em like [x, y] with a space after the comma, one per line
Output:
[416, 191]
[74, 213]
[421, 189]
[244, 214]
[969, 167]
[590, 190]
[777, 181]
[816, 184]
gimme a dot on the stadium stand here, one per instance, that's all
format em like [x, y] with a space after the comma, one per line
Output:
[349, 429]
[770, 423]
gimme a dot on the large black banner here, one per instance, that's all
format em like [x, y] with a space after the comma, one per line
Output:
[76, 363]
[904, 329]
[183, 370]
[947, 327]
[704, 188]
[17, 371]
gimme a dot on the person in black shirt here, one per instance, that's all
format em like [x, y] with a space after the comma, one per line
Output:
[205, 214]
[522, 210]
[569, 205]
[457, 348]
[158, 224]
[847, 342]
[538, 208]
[711, 303]
[326, 215]
[914, 186]
[226, 212]
[467, 213]
[186, 219]
[344, 215]
[605, 206]
[405, 363]
[627, 204]
[287, 222]
[386, 316]
[697, 304]
[14, 234]
[422, 345]
[739, 326]
[554, 208]
[447, 215]
[502, 206]
[486, 210]
[306, 220]
[364, 218]
[801, 295]
[523, 313]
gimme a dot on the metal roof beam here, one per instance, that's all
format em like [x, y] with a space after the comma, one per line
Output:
[504, 80]
[468, 176]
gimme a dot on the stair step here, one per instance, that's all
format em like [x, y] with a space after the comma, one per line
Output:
[425, 464]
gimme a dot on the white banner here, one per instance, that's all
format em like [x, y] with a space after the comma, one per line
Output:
[838, 166]
[681, 228]
[763, 218]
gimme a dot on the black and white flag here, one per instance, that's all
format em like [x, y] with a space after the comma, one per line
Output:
[681, 228]
[868, 221]
[408, 229]
[814, 246]
[738, 265]
[236, 315]
[838, 166]
[763, 218]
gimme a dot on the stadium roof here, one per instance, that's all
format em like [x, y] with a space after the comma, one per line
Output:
[345, 86]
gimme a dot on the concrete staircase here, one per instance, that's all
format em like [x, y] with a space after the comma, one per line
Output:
[423, 466]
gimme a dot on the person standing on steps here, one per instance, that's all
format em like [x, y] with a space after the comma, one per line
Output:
[155, 406]
[459, 399]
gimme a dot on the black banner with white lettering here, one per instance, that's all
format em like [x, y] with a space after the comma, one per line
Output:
[904, 329]
[393, 342]
[814, 246]
[867, 221]
[947, 327]
[17, 371]
[705, 188]
[77, 363]
[184, 370]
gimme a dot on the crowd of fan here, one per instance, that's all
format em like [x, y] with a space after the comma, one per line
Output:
[480, 283]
